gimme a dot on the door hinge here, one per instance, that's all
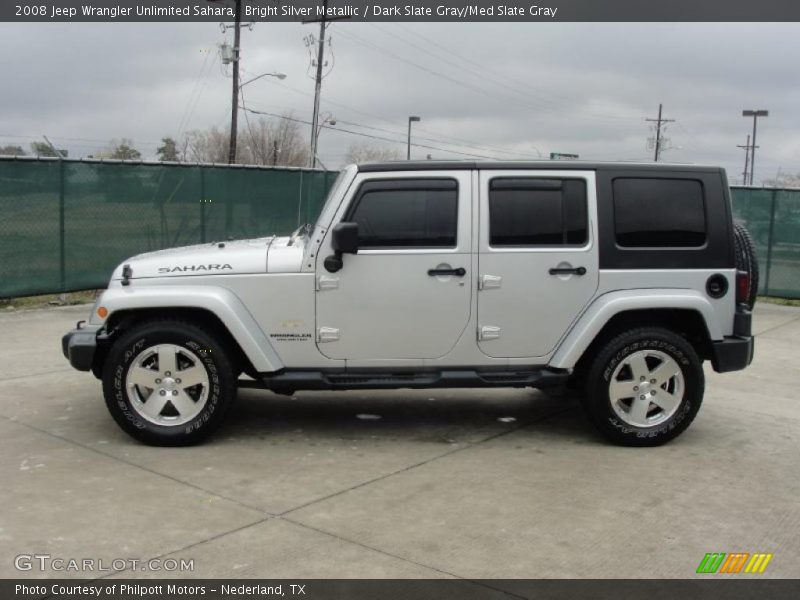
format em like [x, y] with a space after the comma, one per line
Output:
[327, 282]
[486, 282]
[488, 332]
[327, 334]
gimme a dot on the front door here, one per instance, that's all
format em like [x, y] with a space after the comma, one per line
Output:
[406, 294]
[538, 262]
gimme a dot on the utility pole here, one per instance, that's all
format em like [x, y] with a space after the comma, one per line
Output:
[318, 87]
[237, 31]
[658, 123]
[755, 114]
[747, 148]
[323, 25]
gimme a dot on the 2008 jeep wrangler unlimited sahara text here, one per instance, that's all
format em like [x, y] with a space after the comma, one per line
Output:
[617, 279]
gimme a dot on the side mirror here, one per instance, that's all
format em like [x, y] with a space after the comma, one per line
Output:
[345, 238]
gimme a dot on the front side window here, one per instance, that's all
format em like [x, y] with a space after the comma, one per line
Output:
[537, 212]
[405, 213]
[659, 213]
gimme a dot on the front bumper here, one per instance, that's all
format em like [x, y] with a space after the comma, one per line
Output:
[734, 353]
[79, 347]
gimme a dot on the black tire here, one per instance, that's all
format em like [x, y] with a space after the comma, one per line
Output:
[213, 357]
[597, 401]
[746, 260]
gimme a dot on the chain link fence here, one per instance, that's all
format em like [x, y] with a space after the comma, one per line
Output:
[65, 224]
[772, 216]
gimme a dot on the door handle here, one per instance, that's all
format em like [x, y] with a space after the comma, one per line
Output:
[459, 272]
[568, 271]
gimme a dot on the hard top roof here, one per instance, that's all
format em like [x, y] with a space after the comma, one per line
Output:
[553, 165]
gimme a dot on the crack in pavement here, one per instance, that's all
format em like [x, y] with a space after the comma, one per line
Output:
[368, 547]
[29, 375]
[778, 326]
[426, 461]
[137, 466]
[267, 516]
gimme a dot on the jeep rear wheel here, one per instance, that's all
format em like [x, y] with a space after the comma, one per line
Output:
[644, 387]
[168, 383]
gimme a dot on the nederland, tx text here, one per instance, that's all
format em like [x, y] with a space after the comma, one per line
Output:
[464, 12]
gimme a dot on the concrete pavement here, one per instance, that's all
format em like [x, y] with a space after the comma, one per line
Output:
[446, 483]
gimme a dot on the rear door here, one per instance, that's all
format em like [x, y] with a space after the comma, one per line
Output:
[538, 259]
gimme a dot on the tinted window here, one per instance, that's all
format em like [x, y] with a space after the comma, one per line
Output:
[537, 212]
[407, 213]
[659, 213]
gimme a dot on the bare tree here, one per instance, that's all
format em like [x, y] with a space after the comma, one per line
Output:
[209, 146]
[786, 180]
[361, 152]
[277, 141]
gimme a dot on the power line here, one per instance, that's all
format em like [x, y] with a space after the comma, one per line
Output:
[392, 132]
[484, 73]
[444, 138]
[366, 135]
[197, 90]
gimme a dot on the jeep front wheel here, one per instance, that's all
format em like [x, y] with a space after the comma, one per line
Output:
[168, 383]
[644, 387]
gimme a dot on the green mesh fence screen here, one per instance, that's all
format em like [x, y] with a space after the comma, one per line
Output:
[773, 218]
[65, 225]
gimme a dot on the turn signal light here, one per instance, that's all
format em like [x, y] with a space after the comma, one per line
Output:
[102, 312]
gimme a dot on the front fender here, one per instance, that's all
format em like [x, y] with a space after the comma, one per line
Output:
[220, 301]
[600, 312]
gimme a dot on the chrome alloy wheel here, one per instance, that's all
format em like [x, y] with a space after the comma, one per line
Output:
[167, 385]
[646, 388]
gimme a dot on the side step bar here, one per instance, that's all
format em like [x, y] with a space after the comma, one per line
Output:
[289, 381]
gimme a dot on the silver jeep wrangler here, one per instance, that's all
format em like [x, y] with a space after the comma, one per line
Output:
[618, 280]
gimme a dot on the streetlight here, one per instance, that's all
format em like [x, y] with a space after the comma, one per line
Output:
[276, 75]
[328, 119]
[235, 107]
[411, 119]
[755, 114]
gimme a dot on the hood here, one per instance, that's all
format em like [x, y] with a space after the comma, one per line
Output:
[217, 258]
[283, 258]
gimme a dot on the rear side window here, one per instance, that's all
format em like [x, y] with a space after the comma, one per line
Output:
[406, 213]
[659, 213]
[537, 212]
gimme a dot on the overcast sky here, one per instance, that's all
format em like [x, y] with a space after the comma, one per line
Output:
[497, 90]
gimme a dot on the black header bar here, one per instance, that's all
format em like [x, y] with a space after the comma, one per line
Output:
[709, 587]
[541, 11]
